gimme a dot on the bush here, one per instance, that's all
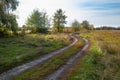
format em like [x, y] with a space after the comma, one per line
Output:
[5, 32]
[42, 30]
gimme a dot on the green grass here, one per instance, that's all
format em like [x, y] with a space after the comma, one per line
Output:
[18, 50]
[103, 59]
[41, 71]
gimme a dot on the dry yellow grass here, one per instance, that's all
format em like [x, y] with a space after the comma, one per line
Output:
[103, 59]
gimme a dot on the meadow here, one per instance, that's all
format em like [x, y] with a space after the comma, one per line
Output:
[41, 71]
[17, 50]
[102, 62]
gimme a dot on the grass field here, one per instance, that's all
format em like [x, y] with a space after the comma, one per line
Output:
[41, 71]
[17, 50]
[103, 59]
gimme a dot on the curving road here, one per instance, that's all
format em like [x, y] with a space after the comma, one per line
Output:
[8, 75]
[58, 73]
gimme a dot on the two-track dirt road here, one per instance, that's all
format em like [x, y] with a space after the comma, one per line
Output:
[22, 68]
[60, 72]
[8, 75]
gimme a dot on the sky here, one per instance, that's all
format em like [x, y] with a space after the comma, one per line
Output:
[97, 12]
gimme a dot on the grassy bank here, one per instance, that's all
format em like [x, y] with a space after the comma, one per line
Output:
[41, 71]
[17, 50]
[103, 59]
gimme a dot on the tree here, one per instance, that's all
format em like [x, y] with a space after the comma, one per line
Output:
[38, 20]
[76, 25]
[59, 20]
[13, 25]
[8, 5]
[7, 18]
[85, 24]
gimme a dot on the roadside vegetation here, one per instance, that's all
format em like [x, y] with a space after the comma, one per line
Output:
[102, 62]
[42, 70]
[17, 50]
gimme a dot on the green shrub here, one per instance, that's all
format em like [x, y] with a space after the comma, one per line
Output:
[5, 32]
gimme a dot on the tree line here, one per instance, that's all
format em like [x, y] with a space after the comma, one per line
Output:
[107, 28]
[38, 21]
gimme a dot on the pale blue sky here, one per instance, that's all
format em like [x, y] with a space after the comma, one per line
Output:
[99, 13]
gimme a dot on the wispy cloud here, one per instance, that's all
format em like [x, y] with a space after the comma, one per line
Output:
[101, 12]
[100, 6]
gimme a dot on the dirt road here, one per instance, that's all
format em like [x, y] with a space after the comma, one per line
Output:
[59, 73]
[8, 75]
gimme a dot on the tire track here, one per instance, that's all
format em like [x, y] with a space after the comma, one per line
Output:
[58, 73]
[8, 75]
